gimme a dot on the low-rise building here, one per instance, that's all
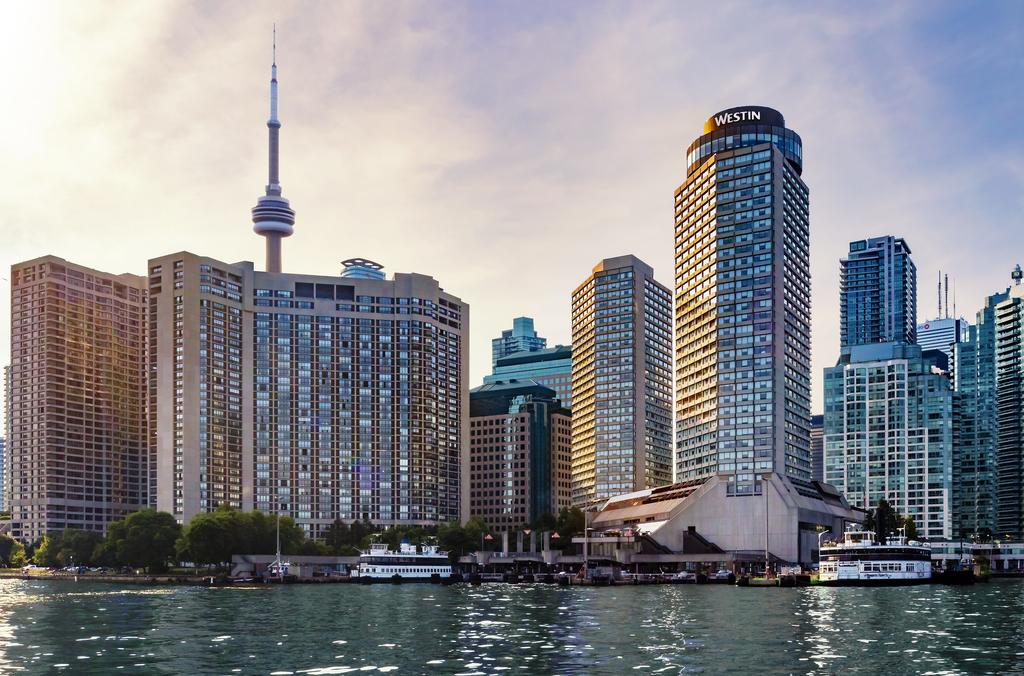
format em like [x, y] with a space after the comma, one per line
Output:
[702, 525]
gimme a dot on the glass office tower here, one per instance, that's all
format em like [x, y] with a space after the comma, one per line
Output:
[942, 334]
[520, 453]
[520, 338]
[742, 300]
[621, 381]
[973, 370]
[551, 367]
[888, 432]
[878, 293]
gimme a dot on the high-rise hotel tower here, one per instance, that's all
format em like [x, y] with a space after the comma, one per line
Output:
[743, 304]
[317, 397]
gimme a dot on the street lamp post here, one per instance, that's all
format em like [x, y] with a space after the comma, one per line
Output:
[820, 533]
[586, 543]
[764, 489]
[586, 553]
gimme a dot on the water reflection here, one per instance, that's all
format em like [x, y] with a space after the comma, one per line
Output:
[497, 629]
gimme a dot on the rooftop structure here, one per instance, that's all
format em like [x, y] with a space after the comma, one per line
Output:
[550, 367]
[520, 338]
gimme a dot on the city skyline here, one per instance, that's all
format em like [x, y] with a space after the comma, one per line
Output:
[440, 103]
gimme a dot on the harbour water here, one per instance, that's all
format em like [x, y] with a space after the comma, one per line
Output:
[97, 628]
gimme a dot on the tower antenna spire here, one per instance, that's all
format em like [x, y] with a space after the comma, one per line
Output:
[273, 217]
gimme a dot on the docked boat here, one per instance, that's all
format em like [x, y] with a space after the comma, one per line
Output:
[861, 560]
[408, 563]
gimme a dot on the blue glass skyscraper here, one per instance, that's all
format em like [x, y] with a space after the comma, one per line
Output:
[974, 456]
[878, 293]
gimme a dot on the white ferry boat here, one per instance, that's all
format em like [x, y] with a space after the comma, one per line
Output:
[860, 560]
[382, 563]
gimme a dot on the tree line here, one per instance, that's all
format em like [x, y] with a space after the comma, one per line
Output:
[886, 521]
[155, 541]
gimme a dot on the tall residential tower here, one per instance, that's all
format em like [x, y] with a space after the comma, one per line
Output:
[1009, 400]
[889, 432]
[621, 381]
[76, 444]
[878, 293]
[973, 368]
[888, 403]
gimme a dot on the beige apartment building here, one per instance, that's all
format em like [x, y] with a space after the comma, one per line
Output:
[77, 448]
[317, 397]
[621, 381]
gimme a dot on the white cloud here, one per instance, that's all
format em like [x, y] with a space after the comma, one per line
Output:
[502, 149]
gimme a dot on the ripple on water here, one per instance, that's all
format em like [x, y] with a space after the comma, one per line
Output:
[502, 628]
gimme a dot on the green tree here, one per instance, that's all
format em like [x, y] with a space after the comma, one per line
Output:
[886, 520]
[909, 527]
[213, 538]
[570, 523]
[461, 539]
[545, 521]
[18, 558]
[143, 539]
[337, 537]
[313, 548]
[74, 546]
[44, 554]
[869, 520]
[12, 552]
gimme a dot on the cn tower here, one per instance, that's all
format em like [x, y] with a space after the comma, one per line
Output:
[272, 217]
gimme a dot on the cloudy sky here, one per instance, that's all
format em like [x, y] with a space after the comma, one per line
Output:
[504, 148]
